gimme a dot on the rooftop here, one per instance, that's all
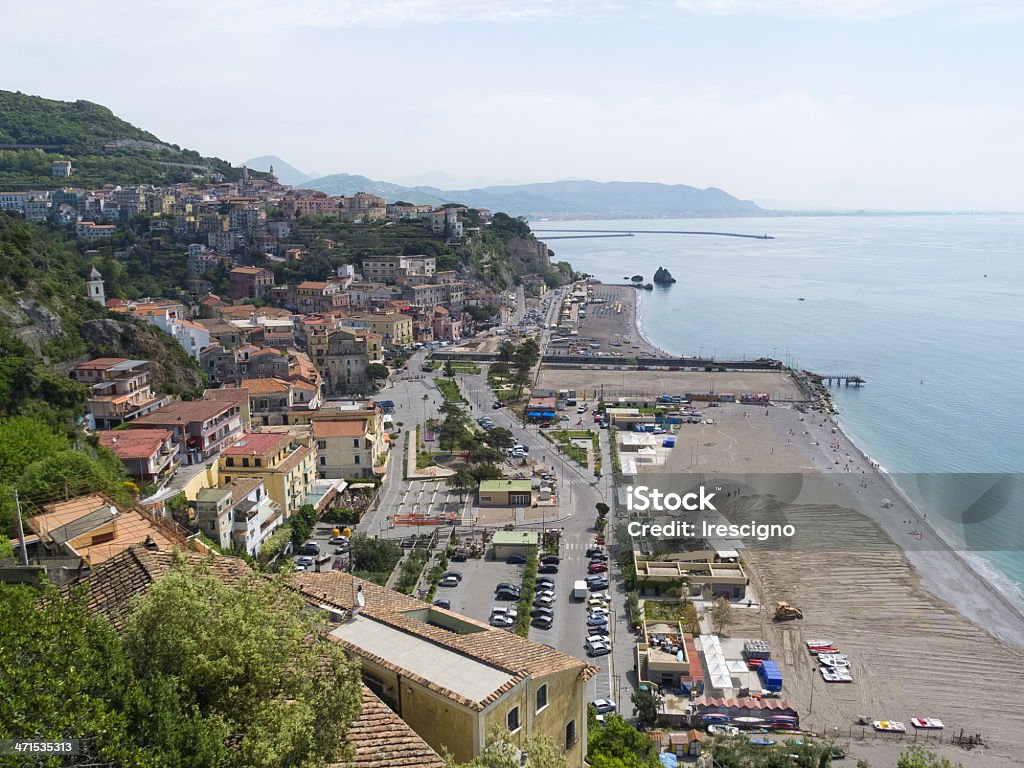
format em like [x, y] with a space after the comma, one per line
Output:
[257, 444]
[134, 443]
[515, 537]
[183, 411]
[495, 486]
[353, 428]
[265, 386]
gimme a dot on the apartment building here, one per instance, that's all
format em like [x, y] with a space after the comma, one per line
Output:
[316, 297]
[349, 447]
[230, 366]
[120, 390]
[287, 469]
[148, 455]
[199, 428]
[394, 328]
[341, 358]
[391, 269]
[249, 283]
[446, 324]
[240, 516]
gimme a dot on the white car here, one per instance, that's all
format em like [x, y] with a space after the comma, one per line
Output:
[603, 706]
[597, 649]
[597, 639]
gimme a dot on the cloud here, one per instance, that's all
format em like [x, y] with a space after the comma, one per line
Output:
[858, 10]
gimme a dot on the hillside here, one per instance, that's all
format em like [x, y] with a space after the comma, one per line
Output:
[560, 199]
[48, 323]
[34, 132]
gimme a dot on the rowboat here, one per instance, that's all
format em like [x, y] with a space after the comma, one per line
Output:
[832, 675]
[748, 720]
[889, 726]
[715, 717]
[819, 643]
[927, 723]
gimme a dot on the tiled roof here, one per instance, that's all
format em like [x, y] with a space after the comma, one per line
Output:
[297, 457]
[101, 363]
[257, 444]
[242, 487]
[270, 386]
[381, 739]
[182, 411]
[134, 443]
[354, 428]
[501, 649]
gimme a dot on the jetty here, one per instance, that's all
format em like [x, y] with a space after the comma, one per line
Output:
[844, 379]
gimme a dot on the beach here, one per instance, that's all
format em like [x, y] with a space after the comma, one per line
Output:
[928, 635]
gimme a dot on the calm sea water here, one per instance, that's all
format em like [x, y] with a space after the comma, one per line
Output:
[928, 309]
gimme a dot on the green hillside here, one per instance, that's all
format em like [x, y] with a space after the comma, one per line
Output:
[34, 132]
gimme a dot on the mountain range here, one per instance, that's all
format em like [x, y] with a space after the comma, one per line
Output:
[558, 199]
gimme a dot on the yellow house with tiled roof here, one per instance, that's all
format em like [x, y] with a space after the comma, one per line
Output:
[454, 680]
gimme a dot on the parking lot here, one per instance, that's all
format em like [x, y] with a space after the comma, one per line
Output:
[474, 596]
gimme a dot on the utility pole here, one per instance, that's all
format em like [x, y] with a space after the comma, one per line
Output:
[21, 529]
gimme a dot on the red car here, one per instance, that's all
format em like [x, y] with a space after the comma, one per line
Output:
[545, 425]
[597, 568]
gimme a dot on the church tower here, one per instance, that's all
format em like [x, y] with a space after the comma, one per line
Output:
[95, 283]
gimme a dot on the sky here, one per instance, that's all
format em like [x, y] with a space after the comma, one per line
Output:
[893, 104]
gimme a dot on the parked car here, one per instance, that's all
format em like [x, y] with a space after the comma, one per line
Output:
[599, 557]
[448, 581]
[603, 706]
[598, 612]
[597, 621]
[457, 575]
[551, 560]
[602, 631]
[506, 594]
[563, 418]
[459, 557]
[338, 541]
[598, 585]
[544, 593]
[542, 612]
[548, 569]
[545, 580]
[497, 405]
[443, 603]
[543, 622]
[515, 560]
[504, 622]
[545, 425]
[545, 601]
[506, 585]
[597, 649]
[594, 551]
[597, 568]
[307, 562]
[310, 548]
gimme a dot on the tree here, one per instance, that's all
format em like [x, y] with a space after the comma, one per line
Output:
[449, 371]
[648, 706]
[919, 757]
[602, 509]
[373, 555]
[377, 371]
[40, 633]
[24, 440]
[721, 614]
[500, 753]
[620, 745]
[462, 481]
[240, 658]
[500, 438]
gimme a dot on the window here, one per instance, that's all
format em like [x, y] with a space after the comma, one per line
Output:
[570, 734]
[230, 462]
[357, 459]
[513, 719]
[355, 442]
[542, 697]
[258, 462]
[323, 461]
[245, 462]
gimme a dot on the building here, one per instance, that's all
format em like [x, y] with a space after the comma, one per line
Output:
[505, 493]
[392, 269]
[341, 358]
[349, 447]
[90, 230]
[665, 656]
[239, 516]
[287, 469]
[200, 428]
[148, 455]
[61, 169]
[508, 543]
[378, 737]
[249, 283]
[446, 325]
[230, 366]
[394, 328]
[272, 400]
[93, 528]
[455, 681]
[120, 390]
[315, 297]
[693, 572]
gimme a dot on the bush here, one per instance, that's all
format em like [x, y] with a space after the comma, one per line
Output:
[526, 596]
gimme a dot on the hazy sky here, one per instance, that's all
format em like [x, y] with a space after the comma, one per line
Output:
[865, 103]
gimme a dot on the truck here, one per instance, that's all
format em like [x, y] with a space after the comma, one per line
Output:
[580, 590]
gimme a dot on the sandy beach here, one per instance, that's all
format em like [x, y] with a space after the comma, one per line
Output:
[928, 636]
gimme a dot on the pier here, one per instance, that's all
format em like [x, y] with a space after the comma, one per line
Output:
[845, 379]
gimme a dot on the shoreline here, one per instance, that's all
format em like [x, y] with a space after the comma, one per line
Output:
[936, 567]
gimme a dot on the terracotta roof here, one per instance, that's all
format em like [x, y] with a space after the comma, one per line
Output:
[297, 457]
[381, 739]
[257, 444]
[248, 271]
[182, 412]
[227, 394]
[242, 487]
[496, 647]
[265, 386]
[134, 443]
[101, 363]
[325, 429]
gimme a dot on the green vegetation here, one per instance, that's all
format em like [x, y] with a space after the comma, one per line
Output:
[373, 559]
[86, 134]
[463, 366]
[648, 705]
[526, 595]
[302, 523]
[617, 744]
[682, 611]
[563, 439]
[501, 753]
[411, 569]
[920, 757]
[203, 675]
[450, 390]
[721, 615]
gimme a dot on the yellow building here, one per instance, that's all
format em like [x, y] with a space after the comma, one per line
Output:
[394, 327]
[457, 682]
[287, 469]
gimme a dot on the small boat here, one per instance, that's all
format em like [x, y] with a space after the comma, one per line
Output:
[927, 723]
[781, 719]
[889, 726]
[748, 720]
[801, 299]
[715, 717]
[723, 730]
[819, 643]
[832, 675]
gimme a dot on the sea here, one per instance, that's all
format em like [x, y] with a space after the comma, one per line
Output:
[928, 309]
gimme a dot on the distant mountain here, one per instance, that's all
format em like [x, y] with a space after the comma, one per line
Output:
[103, 148]
[286, 172]
[560, 199]
[348, 184]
